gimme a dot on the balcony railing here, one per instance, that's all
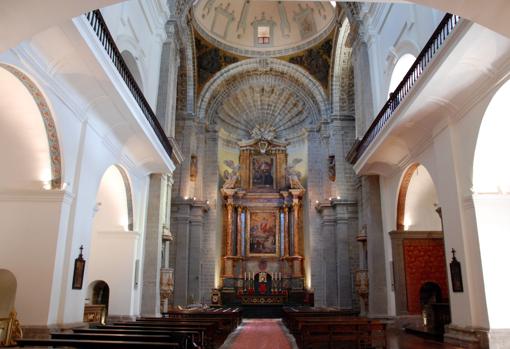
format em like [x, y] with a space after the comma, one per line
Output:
[433, 46]
[98, 24]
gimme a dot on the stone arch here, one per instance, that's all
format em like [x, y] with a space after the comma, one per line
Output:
[342, 79]
[48, 121]
[111, 229]
[129, 195]
[399, 70]
[187, 45]
[491, 199]
[402, 194]
[297, 75]
[114, 195]
[133, 67]
[420, 204]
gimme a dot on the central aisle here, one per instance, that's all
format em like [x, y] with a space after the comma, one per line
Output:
[260, 334]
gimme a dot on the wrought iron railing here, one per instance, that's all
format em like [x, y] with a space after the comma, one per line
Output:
[99, 26]
[434, 44]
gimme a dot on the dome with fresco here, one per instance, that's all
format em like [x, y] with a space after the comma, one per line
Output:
[263, 28]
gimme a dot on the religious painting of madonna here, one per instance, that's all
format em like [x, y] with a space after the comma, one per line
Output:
[263, 233]
[262, 172]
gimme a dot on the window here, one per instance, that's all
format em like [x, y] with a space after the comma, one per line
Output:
[263, 34]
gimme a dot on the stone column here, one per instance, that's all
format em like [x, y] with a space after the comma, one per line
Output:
[329, 256]
[169, 67]
[152, 247]
[316, 164]
[364, 104]
[210, 244]
[182, 211]
[194, 265]
[346, 226]
[371, 216]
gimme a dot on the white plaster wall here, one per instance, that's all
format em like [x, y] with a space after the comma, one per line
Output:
[23, 136]
[448, 157]
[112, 259]
[139, 27]
[111, 205]
[62, 221]
[28, 248]
[113, 248]
[393, 30]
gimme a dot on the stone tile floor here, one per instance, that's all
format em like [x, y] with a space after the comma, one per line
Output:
[401, 340]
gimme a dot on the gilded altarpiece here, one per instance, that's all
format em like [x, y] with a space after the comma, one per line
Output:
[262, 257]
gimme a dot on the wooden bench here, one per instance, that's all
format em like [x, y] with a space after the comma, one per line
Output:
[78, 343]
[341, 332]
[206, 330]
[224, 324]
[234, 314]
[191, 339]
[168, 338]
[291, 314]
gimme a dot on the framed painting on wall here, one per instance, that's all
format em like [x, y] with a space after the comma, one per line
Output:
[79, 270]
[263, 228]
[262, 172]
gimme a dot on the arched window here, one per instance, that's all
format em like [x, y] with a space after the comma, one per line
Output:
[401, 68]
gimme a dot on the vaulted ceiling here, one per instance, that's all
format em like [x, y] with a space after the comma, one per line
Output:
[233, 25]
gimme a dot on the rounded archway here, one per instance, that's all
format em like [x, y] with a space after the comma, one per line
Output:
[29, 146]
[113, 244]
[491, 198]
[132, 65]
[417, 204]
[400, 69]
[31, 167]
[418, 244]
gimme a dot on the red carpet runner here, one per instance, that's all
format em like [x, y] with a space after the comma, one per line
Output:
[259, 334]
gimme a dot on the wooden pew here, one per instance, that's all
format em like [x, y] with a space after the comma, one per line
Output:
[349, 332]
[94, 344]
[291, 314]
[235, 314]
[206, 330]
[187, 339]
[224, 324]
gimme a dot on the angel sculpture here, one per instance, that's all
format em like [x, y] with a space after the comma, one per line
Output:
[293, 175]
[232, 176]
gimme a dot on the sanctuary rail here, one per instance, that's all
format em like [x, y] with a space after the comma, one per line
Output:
[436, 41]
[99, 26]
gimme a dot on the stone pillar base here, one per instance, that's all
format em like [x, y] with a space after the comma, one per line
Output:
[468, 337]
[499, 338]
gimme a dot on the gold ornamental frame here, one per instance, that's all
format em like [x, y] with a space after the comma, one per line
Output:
[254, 210]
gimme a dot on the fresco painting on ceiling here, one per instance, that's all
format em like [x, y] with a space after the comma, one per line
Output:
[262, 175]
[263, 233]
[306, 22]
